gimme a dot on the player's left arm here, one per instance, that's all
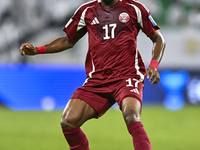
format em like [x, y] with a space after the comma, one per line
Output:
[157, 54]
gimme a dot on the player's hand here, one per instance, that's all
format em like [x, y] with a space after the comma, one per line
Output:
[153, 75]
[27, 49]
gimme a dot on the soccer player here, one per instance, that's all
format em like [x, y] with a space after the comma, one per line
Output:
[114, 67]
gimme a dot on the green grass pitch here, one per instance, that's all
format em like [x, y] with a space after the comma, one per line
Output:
[168, 130]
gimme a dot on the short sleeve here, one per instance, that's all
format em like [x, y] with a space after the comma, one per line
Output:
[148, 25]
[76, 27]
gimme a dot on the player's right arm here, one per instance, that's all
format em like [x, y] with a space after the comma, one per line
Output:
[74, 29]
[57, 45]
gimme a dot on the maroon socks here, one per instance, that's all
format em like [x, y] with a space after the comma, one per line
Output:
[140, 137]
[76, 139]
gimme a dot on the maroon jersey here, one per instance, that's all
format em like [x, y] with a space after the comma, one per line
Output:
[112, 35]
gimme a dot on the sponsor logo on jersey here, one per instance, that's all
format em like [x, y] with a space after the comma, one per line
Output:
[124, 17]
[95, 21]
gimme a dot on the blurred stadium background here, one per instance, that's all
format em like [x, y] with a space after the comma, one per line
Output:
[46, 82]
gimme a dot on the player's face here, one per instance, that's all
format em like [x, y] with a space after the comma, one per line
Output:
[107, 2]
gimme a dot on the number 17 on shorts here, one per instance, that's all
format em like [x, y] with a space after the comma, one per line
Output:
[134, 84]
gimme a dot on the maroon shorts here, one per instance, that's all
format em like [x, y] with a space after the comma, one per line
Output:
[103, 96]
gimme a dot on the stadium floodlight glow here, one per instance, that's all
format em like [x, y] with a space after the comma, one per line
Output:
[174, 82]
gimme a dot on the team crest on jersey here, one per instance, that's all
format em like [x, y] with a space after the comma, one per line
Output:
[124, 17]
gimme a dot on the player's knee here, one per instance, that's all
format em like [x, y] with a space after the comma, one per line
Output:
[131, 117]
[68, 122]
[131, 109]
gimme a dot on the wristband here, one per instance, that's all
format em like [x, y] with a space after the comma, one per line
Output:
[41, 49]
[154, 63]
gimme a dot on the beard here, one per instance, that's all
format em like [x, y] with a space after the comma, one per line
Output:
[107, 1]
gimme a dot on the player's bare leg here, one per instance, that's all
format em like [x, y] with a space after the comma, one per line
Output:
[131, 109]
[74, 115]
